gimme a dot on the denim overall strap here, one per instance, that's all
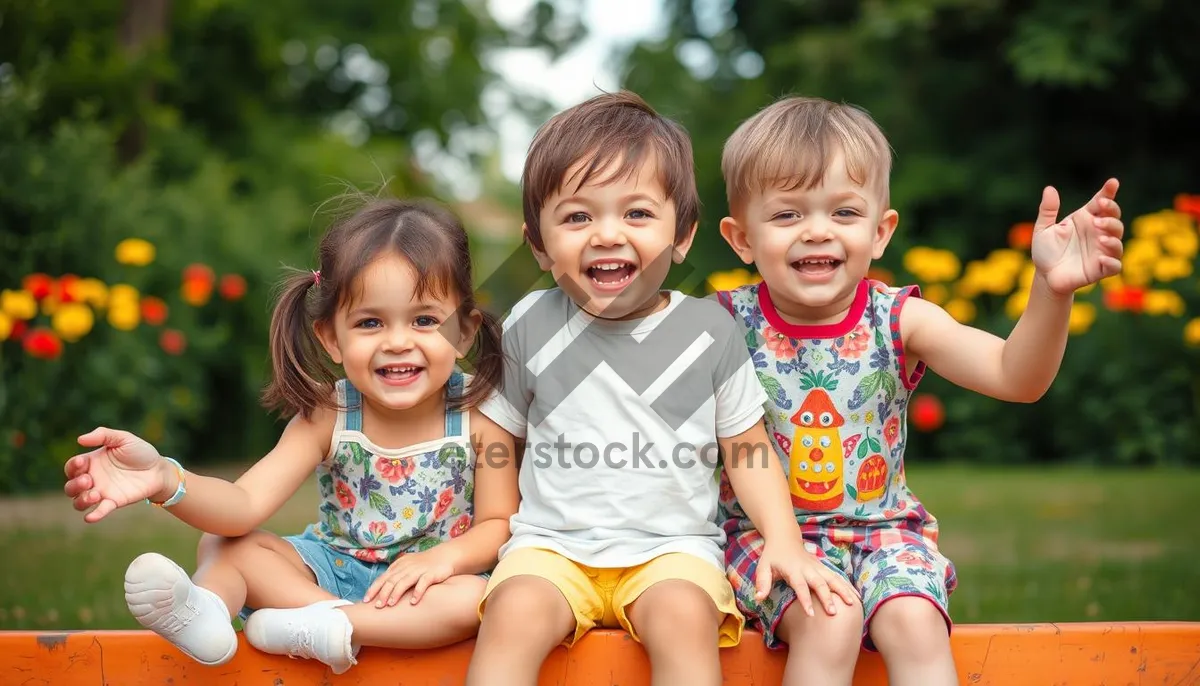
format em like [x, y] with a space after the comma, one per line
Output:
[454, 389]
[353, 408]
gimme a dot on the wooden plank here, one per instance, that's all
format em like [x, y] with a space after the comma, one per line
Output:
[1159, 653]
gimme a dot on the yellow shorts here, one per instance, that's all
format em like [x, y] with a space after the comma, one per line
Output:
[600, 596]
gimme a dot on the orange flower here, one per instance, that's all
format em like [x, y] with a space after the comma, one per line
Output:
[196, 292]
[199, 272]
[154, 310]
[64, 289]
[232, 287]
[1020, 236]
[43, 344]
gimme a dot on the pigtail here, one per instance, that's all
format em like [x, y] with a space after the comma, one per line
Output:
[489, 362]
[300, 381]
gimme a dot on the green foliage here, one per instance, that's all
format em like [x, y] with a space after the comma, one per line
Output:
[985, 102]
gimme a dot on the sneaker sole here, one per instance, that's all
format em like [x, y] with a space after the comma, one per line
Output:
[154, 565]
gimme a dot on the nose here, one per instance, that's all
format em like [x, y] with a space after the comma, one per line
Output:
[815, 230]
[607, 233]
[399, 339]
[816, 454]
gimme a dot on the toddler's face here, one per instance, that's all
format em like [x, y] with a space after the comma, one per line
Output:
[396, 349]
[609, 244]
[813, 247]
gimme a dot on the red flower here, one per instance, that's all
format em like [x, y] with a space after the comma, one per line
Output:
[64, 289]
[891, 431]
[460, 526]
[927, 412]
[443, 503]
[172, 341]
[395, 469]
[232, 287]
[154, 310]
[1188, 204]
[1129, 298]
[38, 285]
[19, 328]
[345, 496]
[43, 344]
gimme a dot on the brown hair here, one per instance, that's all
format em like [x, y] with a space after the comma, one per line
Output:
[601, 130]
[425, 234]
[791, 142]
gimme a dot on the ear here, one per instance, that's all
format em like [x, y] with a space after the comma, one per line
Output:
[684, 244]
[735, 235]
[542, 258]
[884, 232]
[328, 338]
[468, 326]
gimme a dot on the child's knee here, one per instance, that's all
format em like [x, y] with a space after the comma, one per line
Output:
[912, 621]
[674, 612]
[515, 599]
[212, 545]
[835, 638]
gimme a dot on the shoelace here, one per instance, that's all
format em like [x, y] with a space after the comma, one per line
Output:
[301, 641]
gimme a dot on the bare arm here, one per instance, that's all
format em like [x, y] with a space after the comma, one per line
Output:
[758, 480]
[496, 499]
[1019, 369]
[219, 507]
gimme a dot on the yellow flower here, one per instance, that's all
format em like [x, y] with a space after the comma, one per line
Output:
[72, 321]
[931, 265]
[92, 291]
[731, 280]
[1137, 274]
[135, 252]
[122, 294]
[1015, 306]
[407, 513]
[18, 304]
[1183, 244]
[1161, 223]
[985, 277]
[1160, 301]
[935, 293]
[6, 326]
[124, 315]
[963, 311]
[1191, 332]
[1171, 268]
[1141, 253]
[1112, 283]
[1083, 314]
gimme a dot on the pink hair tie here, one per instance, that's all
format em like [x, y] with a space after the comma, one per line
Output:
[317, 277]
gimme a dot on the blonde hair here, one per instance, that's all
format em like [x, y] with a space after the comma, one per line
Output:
[791, 142]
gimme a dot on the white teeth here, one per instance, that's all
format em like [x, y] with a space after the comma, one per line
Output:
[399, 370]
[609, 266]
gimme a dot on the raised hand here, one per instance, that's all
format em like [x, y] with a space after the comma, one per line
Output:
[123, 469]
[1083, 248]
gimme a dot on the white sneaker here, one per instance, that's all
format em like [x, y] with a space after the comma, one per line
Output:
[316, 631]
[162, 598]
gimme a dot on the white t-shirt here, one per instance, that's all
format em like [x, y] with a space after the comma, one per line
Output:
[620, 421]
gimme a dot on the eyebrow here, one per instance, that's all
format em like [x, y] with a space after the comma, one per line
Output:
[632, 197]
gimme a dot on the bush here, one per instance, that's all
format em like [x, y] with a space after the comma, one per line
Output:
[1128, 390]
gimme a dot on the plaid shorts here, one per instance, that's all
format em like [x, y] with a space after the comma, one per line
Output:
[882, 562]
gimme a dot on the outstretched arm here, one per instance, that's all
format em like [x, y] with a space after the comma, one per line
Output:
[124, 470]
[1080, 250]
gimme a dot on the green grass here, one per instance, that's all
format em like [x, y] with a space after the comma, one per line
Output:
[1030, 545]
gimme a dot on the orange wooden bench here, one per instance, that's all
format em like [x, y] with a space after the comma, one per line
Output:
[987, 654]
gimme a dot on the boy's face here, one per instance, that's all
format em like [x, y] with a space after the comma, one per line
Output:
[610, 243]
[812, 247]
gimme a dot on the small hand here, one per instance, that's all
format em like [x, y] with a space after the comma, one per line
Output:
[802, 571]
[1083, 248]
[417, 571]
[123, 469]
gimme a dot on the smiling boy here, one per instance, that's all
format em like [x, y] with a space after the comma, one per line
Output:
[616, 536]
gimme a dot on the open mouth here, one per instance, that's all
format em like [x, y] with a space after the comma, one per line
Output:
[611, 274]
[817, 487]
[399, 373]
[817, 266]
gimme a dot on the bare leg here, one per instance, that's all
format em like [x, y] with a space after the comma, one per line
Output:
[511, 648]
[678, 624]
[446, 615]
[911, 635]
[822, 650]
[259, 569]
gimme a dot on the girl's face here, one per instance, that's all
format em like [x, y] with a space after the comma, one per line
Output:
[396, 349]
